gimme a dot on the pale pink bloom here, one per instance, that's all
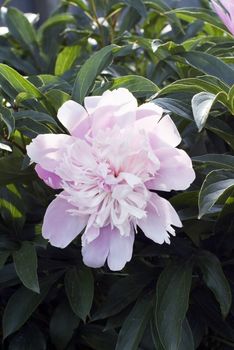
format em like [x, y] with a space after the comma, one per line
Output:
[225, 10]
[115, 155]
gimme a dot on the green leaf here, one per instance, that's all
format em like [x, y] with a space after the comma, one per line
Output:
[66, 59]
[12, 83]
[89, 71]
[12, 207]
[122, 293]
[210, 162]
[62, 325]
[201, 106]
[215, 280]
[25, 260]
[175, 106]
[172, 297]
[231, 98]
[136, 84]
[205, 83]
[138, 5]
[134, 326]
[3, 257]
[8, 119]
[188, 14]
[187, 341]
[79, 287]
[211, 65]
[214, 185]
[57, 19]
[11, 171]
[29, 338]
[20, 307]
[21, 29]
[57, 98]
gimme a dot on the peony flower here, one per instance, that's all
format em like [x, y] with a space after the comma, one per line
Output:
[109, 167]
[225, 10]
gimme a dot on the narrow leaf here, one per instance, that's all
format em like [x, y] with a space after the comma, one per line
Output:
[215, 280]
[89, 71]
[172, 297]
[25, 260]
[215, 184]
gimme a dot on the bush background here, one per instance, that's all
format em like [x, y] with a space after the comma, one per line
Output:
[169, 297]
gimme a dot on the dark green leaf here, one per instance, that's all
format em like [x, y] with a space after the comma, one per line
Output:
[89, 71]
[79, 286]
[211, 65]
[12, 207]
[20, 307]
[25, 260]
[134, 326]
[215, 184]
[122, 293]
[62, 325]
[215, 280]
[21, 29]
[187, 342]
[172, 299]
[29, 338]
[8, 119]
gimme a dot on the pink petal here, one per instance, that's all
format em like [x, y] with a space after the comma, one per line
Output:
[91, 103]
[226, 17]
[160, 216]
[121, 248]
[175, 172]
[95, 253]
[46, 149]
[117, 107]
[149, 110]
[166, 133]
[59, 226]
[71, 114]
[48, 177]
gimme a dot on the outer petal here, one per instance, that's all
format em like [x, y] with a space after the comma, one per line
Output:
[71, 114]
[91, 103]
[46, 149]
[48, 177]
[95, 253]
[59, 226]
[120, 249]
[175, 172]
[165, 133]
[117, 107]
[149, 109]
[226, 17]
[160, 216]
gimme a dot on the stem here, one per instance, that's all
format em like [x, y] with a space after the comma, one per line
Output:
[95, 18]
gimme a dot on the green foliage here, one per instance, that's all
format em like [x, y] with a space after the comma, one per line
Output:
[169, 297]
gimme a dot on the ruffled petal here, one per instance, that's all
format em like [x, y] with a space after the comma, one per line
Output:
[160, 216]
[60, 227]
[175, 172]
[48, 177]
[121, 248]
[47, 149]
[70, 115]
